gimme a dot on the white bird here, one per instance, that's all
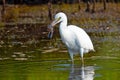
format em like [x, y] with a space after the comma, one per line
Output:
[75, 38]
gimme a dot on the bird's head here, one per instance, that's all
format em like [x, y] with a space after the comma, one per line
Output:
[59, 17]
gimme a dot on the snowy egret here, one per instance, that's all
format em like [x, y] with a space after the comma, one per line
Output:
[75, 38]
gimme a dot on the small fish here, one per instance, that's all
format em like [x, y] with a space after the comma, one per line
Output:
[50, 33]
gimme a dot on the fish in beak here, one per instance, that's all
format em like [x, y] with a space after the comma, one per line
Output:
[51, 26]
[50, 33]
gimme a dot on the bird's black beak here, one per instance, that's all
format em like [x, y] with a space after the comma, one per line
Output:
[50, 33]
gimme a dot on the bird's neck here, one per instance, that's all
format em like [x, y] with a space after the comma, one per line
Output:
[62, 29]
[63, 26]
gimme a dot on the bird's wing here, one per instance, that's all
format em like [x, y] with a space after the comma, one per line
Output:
[82, 38]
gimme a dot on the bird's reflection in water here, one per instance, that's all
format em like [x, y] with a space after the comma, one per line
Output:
[81, 72]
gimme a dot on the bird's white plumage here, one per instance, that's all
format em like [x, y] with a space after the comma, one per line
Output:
[82, 39]
[75, 38]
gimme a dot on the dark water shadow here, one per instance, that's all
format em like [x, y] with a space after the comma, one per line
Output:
[81, 72]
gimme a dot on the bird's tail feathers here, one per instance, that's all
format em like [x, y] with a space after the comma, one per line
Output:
[93, 50]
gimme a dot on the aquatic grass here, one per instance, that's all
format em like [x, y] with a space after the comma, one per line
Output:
[2, 25]
[40, 13]
[11, 15]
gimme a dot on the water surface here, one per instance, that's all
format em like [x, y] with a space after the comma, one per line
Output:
[49, 60]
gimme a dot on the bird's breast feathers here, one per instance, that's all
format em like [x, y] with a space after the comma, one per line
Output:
[76, 38]
[69, 39]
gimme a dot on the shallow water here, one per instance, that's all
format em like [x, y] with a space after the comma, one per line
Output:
[49, 60]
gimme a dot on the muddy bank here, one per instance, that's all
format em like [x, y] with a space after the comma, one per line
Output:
[18, 33]
[23, 32]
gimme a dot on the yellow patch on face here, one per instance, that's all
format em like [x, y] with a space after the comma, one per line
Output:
[58, 19]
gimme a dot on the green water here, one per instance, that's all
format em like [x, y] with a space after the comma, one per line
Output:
[49, 60]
